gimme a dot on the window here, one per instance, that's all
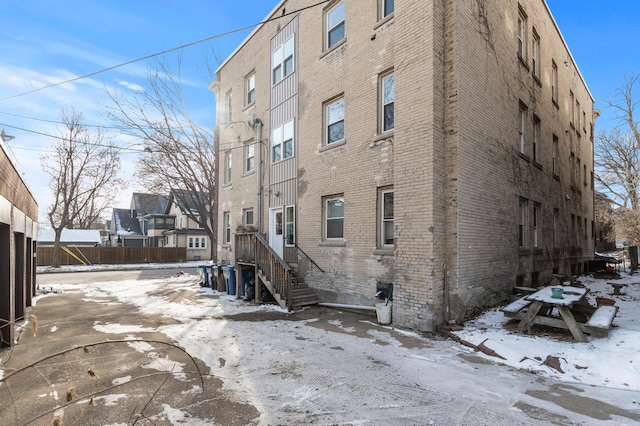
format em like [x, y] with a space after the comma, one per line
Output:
[584, 122]
[334, 217]
[282, 142]
[247, 217]
[283, 61]
[522, 120]
[536, 138]
[535, 225]
[335, 24]
[577, 115]
[386, 218]
[251, 89]
[554, 82]
[190, 242]
[289, 226]
[522, 223]
[335, 121]
[249, 155]
[226, 218]
[554, 157]
[522, 34]
[584, 175]
[388, 97]
[229, 108]
[387, 7]
[227, 168]
[572, 106]
[535, 54]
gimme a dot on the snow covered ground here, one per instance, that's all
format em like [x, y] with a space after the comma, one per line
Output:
[317, 388]
[612, 361]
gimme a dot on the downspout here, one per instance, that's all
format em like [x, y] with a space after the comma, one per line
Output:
[258, 124]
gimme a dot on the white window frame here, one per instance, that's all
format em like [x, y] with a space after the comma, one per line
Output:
[386, 219]
[523, 206]
[283, 64]
[203, 243]
[249, 157]
[335, 18]
[190, 243]
[387, 7]
[535, 53]
[554, 155]
[228, 161]
[522, 34]
[326, 208]
[387, 98]
[229, 108]
[250, 87]
[329, 121]
[282, 142]
[226, 228]
[290, 226]
[522, 127]
[535, 224]
[245, 217]
[536, 138]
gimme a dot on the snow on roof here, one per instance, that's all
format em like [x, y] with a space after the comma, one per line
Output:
[71, 236]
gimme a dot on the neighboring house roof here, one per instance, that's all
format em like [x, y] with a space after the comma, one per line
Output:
[70, 236]
[149, 204]
[126, 223]
[193, 231]
[184, 201]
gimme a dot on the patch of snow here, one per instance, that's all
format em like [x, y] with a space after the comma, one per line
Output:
[121, 380]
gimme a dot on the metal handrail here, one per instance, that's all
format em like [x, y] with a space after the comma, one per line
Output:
[309, 257]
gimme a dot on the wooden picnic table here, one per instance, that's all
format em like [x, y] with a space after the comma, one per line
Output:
[536, 308]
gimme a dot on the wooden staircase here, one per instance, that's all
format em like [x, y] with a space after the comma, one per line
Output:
[287, 288]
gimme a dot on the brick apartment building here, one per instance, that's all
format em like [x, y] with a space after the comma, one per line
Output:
[18, 235]
[443, 146]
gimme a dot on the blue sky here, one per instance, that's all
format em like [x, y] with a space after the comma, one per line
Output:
[44, 42]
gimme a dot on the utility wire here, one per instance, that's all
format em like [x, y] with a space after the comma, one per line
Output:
[153, 55]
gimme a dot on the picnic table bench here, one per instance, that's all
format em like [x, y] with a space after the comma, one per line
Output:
[536, 308]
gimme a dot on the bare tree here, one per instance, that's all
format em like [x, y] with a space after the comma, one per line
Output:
[178, 154]
[617, 161]
[84, 173]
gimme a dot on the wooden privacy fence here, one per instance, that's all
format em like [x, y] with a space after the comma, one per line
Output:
[112, 255]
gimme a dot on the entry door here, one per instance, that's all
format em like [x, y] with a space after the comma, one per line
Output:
[276, 239]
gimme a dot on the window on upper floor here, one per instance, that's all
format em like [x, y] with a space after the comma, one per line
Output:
[522, 127]
[554, 157]
[554, 231]
[386, 7]
[227, 168]
[572, 109]
[536, 139]
[578, 116]
[282, 142]
[554, 82]
[333, 217]
[386, 238]
[535, 54]
[522, 34]
[229, 108]
[334, 121]
[249, 157]
[250, 85]
[335, 24]
[387, 97]
[282, 60]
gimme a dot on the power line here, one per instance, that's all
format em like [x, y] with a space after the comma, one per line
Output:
[153, 55]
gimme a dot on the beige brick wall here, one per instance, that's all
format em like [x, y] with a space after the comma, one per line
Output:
[452, 159]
